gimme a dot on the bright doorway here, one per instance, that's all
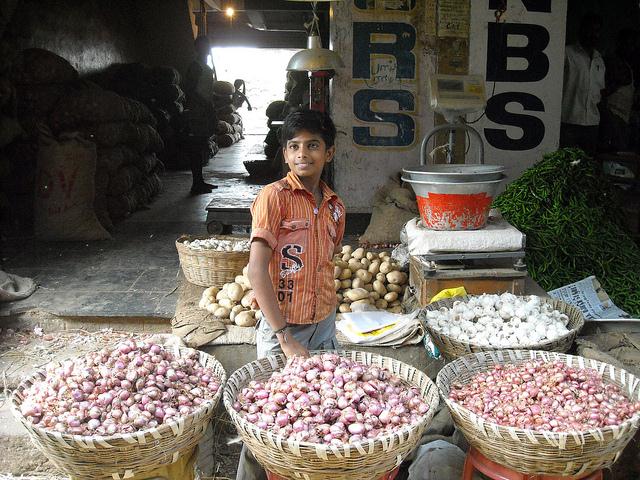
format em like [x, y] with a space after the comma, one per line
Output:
[264, 73]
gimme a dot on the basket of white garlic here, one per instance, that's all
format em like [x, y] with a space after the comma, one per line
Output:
[233, 303]
[459, 326]
[212, 261]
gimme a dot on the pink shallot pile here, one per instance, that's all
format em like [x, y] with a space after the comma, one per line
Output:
[545, 397]
[135, 386]
[329, 399]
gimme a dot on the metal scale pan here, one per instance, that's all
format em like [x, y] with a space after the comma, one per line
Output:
[454, 173]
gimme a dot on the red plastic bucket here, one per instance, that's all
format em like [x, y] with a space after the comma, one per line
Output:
[454, 206]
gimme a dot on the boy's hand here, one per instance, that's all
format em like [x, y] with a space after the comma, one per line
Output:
[293, 348]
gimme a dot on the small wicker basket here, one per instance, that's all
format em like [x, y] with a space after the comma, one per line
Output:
[210, 268]
[530, 451]
[122, 456]
[452, 348]
[366, 460]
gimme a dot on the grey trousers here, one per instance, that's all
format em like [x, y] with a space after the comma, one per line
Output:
[319, 336]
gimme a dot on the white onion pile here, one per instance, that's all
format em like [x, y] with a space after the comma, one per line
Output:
[544, 396]
[219, 245]
[330, 400]
[500, 321]
[135, 386]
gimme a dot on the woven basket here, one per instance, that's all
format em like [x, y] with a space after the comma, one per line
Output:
[121, 456]
[452, 348]
[210, 268]
[529, 451]
[366, 460]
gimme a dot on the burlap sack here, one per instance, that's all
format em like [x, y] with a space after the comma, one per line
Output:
[393, 208]
[163, 75]
[220, 87]
[124, 179]
[111, 134]
[167, 93]
[154, 140]
[121, 206]
[138, 112]
[221, 100]
[35, 66]
[112, 158]
[225, 140]
[224, 110]
[277, 110]
[38, 100]
[89, 106]
[146, 163]
[65, 191]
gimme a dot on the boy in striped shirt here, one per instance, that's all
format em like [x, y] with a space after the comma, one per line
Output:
[298, 223]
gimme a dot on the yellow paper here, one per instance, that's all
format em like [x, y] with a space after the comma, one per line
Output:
[449, 293]
[373, 333]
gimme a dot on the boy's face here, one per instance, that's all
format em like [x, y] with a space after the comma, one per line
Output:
[306, 154]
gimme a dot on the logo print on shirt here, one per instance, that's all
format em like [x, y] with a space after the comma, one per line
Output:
[291, 262]
[336, 212]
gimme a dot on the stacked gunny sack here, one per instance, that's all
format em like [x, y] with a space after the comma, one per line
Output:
[229, 125]
[87, 157]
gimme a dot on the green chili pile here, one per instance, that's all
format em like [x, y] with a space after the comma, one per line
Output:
[572, 217]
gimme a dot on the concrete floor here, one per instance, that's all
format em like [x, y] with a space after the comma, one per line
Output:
[134, 274]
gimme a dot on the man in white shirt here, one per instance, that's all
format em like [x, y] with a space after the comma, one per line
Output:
[584, 81]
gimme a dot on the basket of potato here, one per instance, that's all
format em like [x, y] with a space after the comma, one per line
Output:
[368, 279]
[234, 303]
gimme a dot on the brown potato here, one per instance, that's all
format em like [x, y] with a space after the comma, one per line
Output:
[395, 288]
[379, 287]
[381, 304]
[391, 296]
[346, 274]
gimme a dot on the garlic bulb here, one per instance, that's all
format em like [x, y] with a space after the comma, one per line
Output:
[500, 321]
[219, 245]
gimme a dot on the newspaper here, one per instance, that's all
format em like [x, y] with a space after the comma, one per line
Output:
[589, 296]
[406, 330]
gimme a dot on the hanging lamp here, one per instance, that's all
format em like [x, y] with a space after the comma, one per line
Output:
[314, 58]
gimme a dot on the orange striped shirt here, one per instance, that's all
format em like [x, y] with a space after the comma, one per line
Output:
[302, 238]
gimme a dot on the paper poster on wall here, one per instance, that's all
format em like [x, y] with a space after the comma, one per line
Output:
[453, 18]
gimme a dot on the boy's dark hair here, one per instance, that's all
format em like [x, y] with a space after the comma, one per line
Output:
[310, 120]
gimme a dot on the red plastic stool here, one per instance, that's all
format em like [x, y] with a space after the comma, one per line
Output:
[476, 461]
[389, 476]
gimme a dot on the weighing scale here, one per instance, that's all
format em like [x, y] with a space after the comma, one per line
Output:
[454, 96]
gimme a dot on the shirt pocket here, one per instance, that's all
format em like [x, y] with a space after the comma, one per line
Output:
[293, 242]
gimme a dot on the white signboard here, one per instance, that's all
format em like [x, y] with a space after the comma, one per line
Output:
[522, 59]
